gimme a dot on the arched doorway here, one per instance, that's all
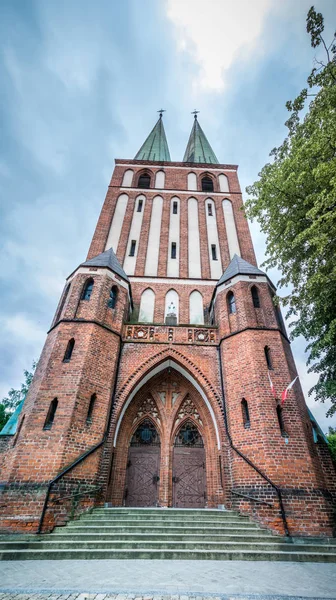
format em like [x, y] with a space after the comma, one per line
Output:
[143, 466]
[189, 474]
[185, 446]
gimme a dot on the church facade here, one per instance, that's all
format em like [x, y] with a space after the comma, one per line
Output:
[161, 377]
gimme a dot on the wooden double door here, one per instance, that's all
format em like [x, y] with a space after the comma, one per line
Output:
[188, 468]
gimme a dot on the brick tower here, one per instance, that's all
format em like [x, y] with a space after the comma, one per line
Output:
[153, 387]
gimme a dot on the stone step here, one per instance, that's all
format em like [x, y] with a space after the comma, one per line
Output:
[165, 518]
[162, 522]
[78, 527]
[98, 544]
[298, 554]
[182, 537]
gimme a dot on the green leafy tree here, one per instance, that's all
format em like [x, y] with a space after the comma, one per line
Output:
[294, 201]
[11, 402]
[331, 437]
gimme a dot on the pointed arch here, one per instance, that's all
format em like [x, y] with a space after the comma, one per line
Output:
[127, 178]
[147, 305]
[187, 434]
[192, 181]
[87, 289]
[164, 364]
[171, 307]
[196, 309]
[207, 183]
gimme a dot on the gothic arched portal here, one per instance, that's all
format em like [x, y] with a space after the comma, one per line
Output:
[165, 440]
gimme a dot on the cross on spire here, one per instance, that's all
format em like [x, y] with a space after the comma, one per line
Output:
[161, 111]
[195, 113]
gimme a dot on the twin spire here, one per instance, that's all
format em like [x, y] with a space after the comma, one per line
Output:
[198, 149]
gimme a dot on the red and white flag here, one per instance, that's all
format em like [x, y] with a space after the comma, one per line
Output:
[285, 392]
[272, 386]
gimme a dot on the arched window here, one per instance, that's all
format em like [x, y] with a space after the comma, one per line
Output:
[171, 308]
[160, 180]
[255, 296]
[147, 303]
[87, 289]
[196, 313]
[61, 306]
[207, 184]
[144, 180]
[51, 414]
[245, 413]
[281, 421]
[231, 303]
[145, 435]
[268, 357]
[69, 350]
[188, 435]
[192, 181]
[127, 179]
[90, 409]
[113, 297]
[223, 183]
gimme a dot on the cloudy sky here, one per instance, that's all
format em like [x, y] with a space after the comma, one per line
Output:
[80, 84]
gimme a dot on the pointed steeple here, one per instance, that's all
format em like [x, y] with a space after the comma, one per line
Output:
[155, 147]
[198, 149]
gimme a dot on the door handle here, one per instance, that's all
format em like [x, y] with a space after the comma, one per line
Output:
[156, 478]
[176, 479]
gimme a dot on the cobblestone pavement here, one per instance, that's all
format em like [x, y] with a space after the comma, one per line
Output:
[89, 596]
[165, 580]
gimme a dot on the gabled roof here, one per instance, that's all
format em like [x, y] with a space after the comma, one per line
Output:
[155, 147]
[11, 425]
[106, 259]
[239, 266]
[198, 149]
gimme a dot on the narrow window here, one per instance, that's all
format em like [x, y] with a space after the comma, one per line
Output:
[132, 248]
[245, 413]
[87, 289]
[213, 251]
[174, 208]
[140, 202]
[207, 184]
[255, 297]
[113, 297]
[280, 421]
[69, 350]
[268, 357]
[173, 250]
[90, 410]
[231, 303]
[144, 181]
[210, 210]
[51, 414]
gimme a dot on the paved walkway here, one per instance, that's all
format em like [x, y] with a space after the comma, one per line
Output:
[164, 580]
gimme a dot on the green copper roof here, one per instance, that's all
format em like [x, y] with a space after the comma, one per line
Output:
[11, 425]
[198, 149]
[155, 147]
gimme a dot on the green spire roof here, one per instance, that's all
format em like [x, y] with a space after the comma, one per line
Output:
[198, 149]
[155, 147]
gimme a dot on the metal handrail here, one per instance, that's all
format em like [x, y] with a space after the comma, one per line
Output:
[252, 498]
[90, 451]
[82, 493]
[242, 455]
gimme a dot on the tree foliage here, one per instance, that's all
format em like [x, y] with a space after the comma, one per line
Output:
[294, 201]
[331, 436]
[11, 402]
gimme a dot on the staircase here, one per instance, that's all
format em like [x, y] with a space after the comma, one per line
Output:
[164, 534]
